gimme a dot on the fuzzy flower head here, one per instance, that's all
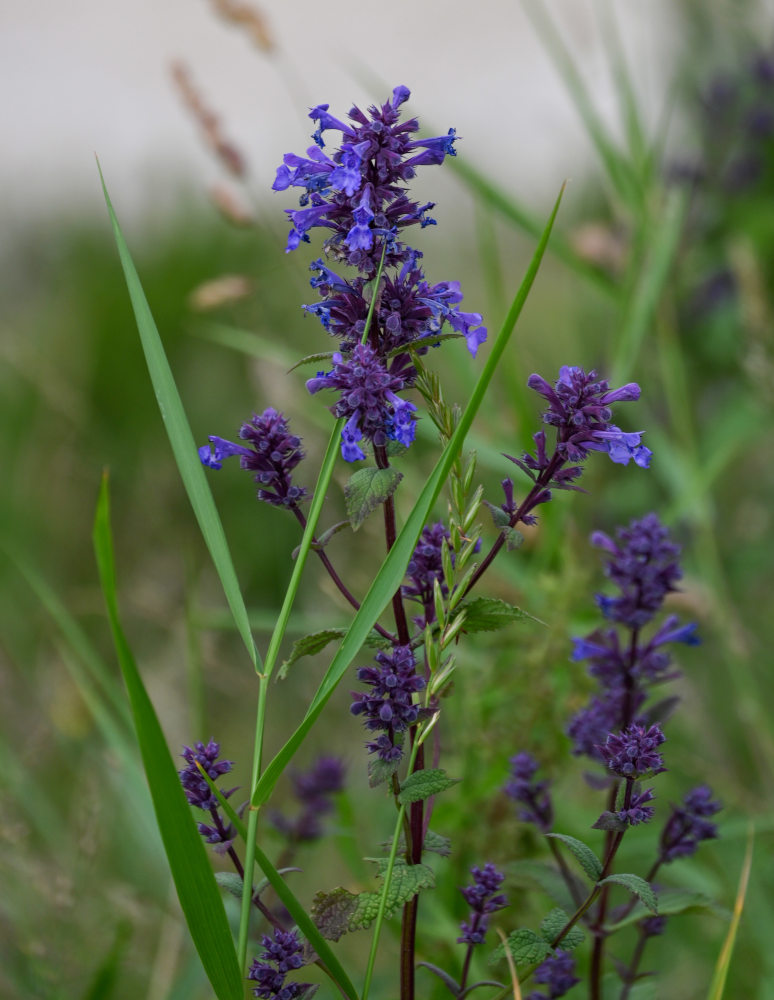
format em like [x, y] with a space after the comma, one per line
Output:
[389, 704]
[358, 192]
[533, 796]
[643, 563]
[579, 408]
[219, 833]
[557, 973]
[282, 953]
[272, 452]
[483, 898]
[632, 753]
[368, 399]
[689, 824]
[408, 309]
[196, 789]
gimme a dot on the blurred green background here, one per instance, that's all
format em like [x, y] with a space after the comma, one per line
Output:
[661, 271]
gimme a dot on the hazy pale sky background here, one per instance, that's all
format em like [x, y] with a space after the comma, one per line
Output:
[93, 76]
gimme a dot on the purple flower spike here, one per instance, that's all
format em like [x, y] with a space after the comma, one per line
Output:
[424, 568]
[389, 705]
[196, 789]
[632, 753]
[483, 898]
[282, 953]
[533, 796]
[272, 454]
[579, 408]
[643, 565]
[688, 825]
[557, 972]
[367, 397]
[199, 794]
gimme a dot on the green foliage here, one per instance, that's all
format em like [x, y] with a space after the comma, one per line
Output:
[188, 861]
[554, 923]
[526, 947]
[489, 614]
[367, 489]
[588, 860]
[422, 784]
[339, 911]
[636, 885]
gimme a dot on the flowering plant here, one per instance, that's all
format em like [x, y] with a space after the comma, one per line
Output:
[387, 319]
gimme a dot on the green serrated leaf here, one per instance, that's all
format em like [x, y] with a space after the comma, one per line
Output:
[436, 843]
[588, 860]
[499, 516]
[406, 882]
[487, 614]
[552, 925]
[513, 538]
[308, 645]
[526, 947]
[340, 911]
[331, 912]
[368, 488]
[636, 885]
[231, 882]
[422, 784]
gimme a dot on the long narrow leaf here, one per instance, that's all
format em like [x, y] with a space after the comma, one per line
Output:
[392, 571]
[181, 439]
[619, 170]
[191, 871]
[506, 207]
[718, 985]
[650, 285]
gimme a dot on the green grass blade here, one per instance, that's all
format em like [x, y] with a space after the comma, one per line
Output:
[718, 985]
[624, 86]
[191, 871]
[305, 924]
[618, 169]
[505, 207]
[285, 894]
[392, 571]
[75, 637]
[650, 285]
[182, 441]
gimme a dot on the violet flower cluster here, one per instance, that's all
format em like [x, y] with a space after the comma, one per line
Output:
[272, 452]
[357, 193]
[579, 409]
[625, 662]
[199, 794]
[314, 790]
[282, 953]
[557, 974]
[389, 704]
[483, 899]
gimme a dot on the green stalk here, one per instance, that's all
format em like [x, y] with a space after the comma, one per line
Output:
[264, 676]
[386, 887]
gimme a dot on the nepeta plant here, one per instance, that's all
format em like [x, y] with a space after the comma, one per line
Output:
[387, 319]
